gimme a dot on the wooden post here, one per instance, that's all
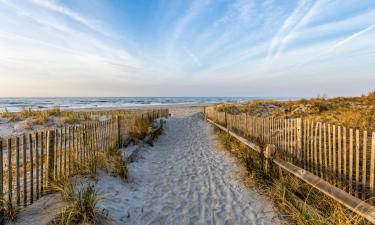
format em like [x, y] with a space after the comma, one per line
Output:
[299, 139]
[372, 164]
[10, 171]
[351, 157]
[356, 161]
[118, 131]
[1, 170]
[18, 191]
[226, 120]
[364, 163]
[24, 170]
[37, 164]
[268, 155]
[42, 163]
[50, 157]
[31, 168]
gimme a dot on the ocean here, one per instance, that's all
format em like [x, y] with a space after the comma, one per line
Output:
[17, 104]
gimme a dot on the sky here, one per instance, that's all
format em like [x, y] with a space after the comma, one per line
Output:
[267, 48]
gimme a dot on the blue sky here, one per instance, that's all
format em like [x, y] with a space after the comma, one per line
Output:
[186, 47]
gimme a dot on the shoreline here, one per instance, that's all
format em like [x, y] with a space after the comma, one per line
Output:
[136, 107]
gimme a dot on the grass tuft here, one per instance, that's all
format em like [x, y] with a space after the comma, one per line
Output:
[82, 209]
[27, 124]
[8, 210]
[115, 164]
[92, 166]
[65, 186]
[139, 128]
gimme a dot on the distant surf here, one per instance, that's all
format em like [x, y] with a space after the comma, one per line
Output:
[17, 104]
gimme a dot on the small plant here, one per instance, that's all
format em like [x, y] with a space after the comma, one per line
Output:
[41, 118]
[26, 113]
[139, 128]
[27, 124]
[8, 209]
[55, 111]
[92, 164]
[70, 118]
[9, 115]
[82, 209]
[65, 186]
[119, 167]
[115, 164]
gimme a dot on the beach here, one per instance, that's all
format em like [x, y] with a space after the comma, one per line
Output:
[186, 177]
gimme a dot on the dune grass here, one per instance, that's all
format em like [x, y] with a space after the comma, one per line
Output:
[8, 210]
[139, 127]
[353, 112]
[297, 202]
[114, 164]
[81, 207]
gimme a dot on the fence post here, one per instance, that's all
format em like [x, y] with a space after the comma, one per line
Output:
[226, 121]
[50, 156]
[118, 131]
[1, 169]
[299, 140]
[204, 112]
[268, 156]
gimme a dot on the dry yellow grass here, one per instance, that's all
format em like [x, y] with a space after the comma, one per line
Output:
[353, 112]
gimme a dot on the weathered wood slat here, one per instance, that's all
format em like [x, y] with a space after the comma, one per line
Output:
[10, 170]
[18, 187]
[356, 162]
[372, 164]
[1, 170]
[31, 155]
[364, 164]
[37, 165]
[351, 159]
[24, 159]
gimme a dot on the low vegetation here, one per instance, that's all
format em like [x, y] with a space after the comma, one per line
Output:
[8, 210]
[81, 206]
[114, 164]
[298, 202]
[140, 127]
[353, 112]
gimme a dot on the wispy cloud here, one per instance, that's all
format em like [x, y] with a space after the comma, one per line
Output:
[198, 43]
[192, 56]
[54, 6]
[351, 38]
[286, 31]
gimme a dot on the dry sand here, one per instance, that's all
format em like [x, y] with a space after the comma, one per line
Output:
[183, 179]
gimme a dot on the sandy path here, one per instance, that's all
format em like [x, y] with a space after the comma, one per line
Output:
[185, 179]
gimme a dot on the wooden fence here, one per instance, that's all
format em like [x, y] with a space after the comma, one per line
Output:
[343, 157]
[30, 161]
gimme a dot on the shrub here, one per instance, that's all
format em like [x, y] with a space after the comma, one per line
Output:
[26, 113]
[83, 208]
[115, 165]
[41, 118]
[55, 111]
[27, 124]
[139, 128]
[8, 209]
[65, 186]
[92, 164]
[70, 118]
